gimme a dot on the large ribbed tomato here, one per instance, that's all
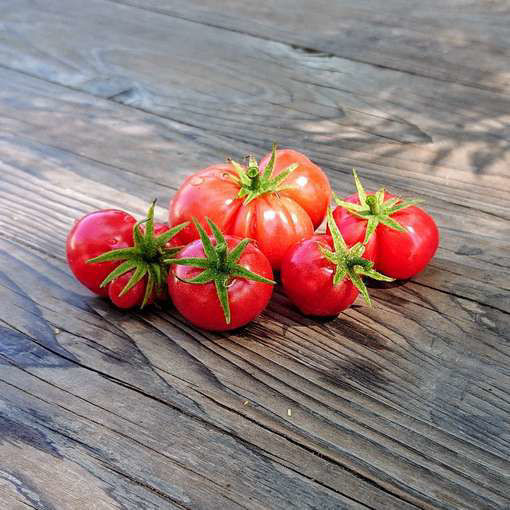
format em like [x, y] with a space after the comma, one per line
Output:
[277, 203]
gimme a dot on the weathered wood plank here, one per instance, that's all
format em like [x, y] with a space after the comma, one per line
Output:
[55, 384]
[433, 380]
[228, 83]
[459, 40]
[402, 406]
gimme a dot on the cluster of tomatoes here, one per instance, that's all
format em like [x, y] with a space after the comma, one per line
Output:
[232, 225]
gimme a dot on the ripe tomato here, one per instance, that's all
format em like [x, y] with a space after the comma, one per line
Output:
[161, 228]
[276, 203]
[114, 255]
[93, 235]
[131, 298]
[322, 276]
[400, 237]
[220, 283]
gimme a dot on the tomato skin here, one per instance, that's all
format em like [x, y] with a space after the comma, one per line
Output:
[199, 303]
[275, 220]
[353, 228]
[307, 278]
[210, 192]
[91, 236]
[133, 297]
[161, 228]
[400, 255]
[310, 185]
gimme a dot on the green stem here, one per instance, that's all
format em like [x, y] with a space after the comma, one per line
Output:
[254, 175]
[358, 261]
[373, 204]
[221, 250]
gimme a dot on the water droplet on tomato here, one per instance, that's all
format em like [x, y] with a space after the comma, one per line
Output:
[196, 181]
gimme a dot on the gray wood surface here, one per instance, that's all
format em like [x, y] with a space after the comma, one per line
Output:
[402, 406]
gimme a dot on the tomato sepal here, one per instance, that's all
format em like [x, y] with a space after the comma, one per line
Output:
[375, 209]
[144, 258]
[254, 184]
[349, 262]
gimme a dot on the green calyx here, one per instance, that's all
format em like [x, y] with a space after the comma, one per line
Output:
[145, 258]
[219, 264]
[253, 183]
[375, 209]
[349, 262]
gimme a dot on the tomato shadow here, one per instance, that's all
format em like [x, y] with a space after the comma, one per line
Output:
[375, 284]
[350, 373]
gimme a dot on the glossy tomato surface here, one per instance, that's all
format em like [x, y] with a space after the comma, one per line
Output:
[308, 184]
[400, 255]
[275, 220]
[133, 297]
[199, 303]
[93, 235]
[161, 228]
[307, 279]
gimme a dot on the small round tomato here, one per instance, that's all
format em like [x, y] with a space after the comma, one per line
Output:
[161, 228]
[323, 276]
[400, 237]
[276, 203]
[307, 278]
[133, 297]
[92, 235]
[220, 283]
[109, 251]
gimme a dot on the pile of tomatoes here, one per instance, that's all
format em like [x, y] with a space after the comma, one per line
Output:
[231, 225]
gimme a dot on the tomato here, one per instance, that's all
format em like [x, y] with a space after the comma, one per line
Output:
[113, 255]
[400, 237]
[276, 203]
[322, 276]
[133, 297]
[161, 228]
[220, 283]
[93, 235]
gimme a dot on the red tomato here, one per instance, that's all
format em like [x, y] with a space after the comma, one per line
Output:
[399, 253]
[308, 184]
[161, 228]
[93, 235]
[133, 297]
[105, 248]
[322, 275]
[276, 212]
[307, 278]
[199, 302]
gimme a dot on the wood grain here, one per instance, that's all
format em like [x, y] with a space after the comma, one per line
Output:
[344, 384]
[459, 41]
[154, 62]
[402, 406]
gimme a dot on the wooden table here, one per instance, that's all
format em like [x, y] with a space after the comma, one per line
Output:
[109, 103]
